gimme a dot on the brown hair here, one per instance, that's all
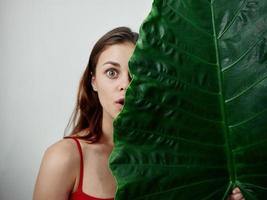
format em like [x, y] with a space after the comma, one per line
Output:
[87, 115]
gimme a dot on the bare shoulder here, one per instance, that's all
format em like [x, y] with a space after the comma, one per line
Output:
[63, 152]
[65, 148]
[58, 171]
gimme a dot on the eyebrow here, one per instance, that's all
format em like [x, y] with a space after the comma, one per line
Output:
[112, 63]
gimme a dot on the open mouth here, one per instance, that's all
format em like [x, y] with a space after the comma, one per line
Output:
[120, 101]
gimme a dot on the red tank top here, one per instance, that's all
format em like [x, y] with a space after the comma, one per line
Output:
[79, 194]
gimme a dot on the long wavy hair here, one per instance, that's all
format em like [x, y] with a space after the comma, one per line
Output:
[86, 119]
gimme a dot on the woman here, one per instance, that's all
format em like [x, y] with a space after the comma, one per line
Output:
[100, 99]
[78, 169]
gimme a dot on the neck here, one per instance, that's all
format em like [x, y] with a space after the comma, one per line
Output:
[107, 130]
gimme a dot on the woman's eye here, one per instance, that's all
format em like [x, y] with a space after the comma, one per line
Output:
[112, 73]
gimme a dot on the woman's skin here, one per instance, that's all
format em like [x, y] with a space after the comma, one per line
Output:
[111, 80]
[236, 195]
[59, 171]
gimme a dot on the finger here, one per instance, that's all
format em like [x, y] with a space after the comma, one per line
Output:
[237, 196]
[236, 190]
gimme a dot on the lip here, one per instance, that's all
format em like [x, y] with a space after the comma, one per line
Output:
[120, 101]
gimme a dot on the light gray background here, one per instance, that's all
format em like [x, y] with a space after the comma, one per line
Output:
[44, 48]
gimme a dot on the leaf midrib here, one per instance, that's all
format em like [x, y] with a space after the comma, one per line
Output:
[229, 156]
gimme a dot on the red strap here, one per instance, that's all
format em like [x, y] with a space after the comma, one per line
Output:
[81, 162]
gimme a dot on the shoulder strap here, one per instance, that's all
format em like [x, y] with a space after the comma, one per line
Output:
[81, 162]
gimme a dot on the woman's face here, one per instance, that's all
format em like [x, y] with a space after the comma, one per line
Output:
[111, 78]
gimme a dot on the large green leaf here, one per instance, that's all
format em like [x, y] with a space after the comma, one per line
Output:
[195, 120]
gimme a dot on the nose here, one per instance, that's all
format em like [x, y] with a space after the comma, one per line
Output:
[125, 80]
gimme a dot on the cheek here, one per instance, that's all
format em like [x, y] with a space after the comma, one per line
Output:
[105, 92]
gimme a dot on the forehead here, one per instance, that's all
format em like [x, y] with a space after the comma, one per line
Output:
[119, 53]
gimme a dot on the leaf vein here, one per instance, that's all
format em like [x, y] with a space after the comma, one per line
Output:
[180, 80]
[170, 166]
[248, 120]
[242, 56]
[182, 187]
[249, 147]
[233, 19]
[189, 21]
[210, 196]
[175, 137]
[245, 90]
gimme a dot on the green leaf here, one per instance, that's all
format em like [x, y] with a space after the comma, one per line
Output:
[194, 125]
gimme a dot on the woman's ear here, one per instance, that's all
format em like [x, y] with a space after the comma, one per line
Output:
[93, 83]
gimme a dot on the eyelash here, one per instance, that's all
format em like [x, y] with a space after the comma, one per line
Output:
[112, 69]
